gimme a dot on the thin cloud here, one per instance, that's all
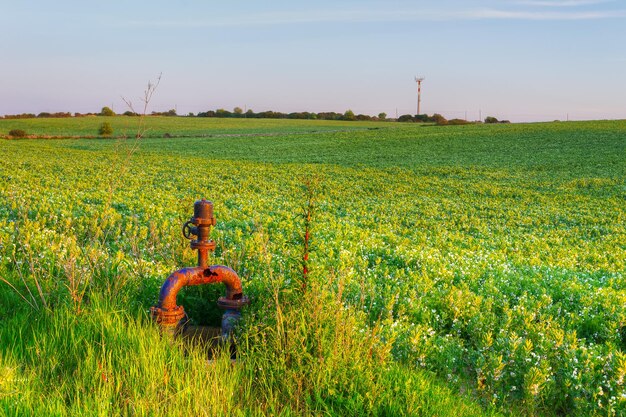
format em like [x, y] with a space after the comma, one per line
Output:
[532, 15]
[372, 16]
[562, 3]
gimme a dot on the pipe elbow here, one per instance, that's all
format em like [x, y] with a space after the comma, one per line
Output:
[173, 284]
[230, 279]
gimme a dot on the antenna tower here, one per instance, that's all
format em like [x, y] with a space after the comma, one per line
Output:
[419, 80]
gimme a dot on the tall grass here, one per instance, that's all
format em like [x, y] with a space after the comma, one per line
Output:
[308, 355]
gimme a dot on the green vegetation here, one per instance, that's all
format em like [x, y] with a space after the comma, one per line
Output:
[156, 126]
[17, 133]
[107, 112]
[491, 119]
[446, 263]
[105, 129]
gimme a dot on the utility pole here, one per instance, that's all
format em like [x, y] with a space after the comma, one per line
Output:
[419, 80]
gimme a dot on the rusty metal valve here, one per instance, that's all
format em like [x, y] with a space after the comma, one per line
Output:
[202, 221]
[167, 313]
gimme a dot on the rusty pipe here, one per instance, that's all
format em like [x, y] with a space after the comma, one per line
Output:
[167, 313]
[199, 276]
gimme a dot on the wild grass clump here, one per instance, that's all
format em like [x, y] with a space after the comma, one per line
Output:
[308, 353]
[17, 133]
[109, 362]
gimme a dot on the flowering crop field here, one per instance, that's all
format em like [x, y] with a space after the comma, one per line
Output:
[467, 270]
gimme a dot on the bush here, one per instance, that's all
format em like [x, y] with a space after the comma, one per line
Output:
[422, 118]
[17, 133]
[491, 119]
[439, 120]
[105, 129]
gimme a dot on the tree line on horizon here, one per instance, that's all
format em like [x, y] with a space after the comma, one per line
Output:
[237, 112]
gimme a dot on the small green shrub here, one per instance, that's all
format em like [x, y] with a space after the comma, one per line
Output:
[105, 129]
[17, 133]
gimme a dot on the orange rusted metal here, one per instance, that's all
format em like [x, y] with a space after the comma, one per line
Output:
[167, 313]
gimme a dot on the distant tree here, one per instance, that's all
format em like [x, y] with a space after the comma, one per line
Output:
[20, 116]
[237, 111]
[130, 113]
[222, 113]
[491, 119]
[439, 119]
[250, 114]
[269, 114]
[349, 115]
[405, 118]
[329, 116]
[171, 112]
[190, 114]
[382, 116]
[106, 111]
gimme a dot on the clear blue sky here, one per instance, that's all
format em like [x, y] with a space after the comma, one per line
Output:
[522, 60]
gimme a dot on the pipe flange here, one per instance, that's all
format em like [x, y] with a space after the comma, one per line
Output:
[167, 317]
[201, 221]
[228, 304]
[197, 244]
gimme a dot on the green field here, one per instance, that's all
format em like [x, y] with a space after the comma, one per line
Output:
[179, 126]
[456, 270]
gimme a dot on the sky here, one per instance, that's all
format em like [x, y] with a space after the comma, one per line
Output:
[522, 60]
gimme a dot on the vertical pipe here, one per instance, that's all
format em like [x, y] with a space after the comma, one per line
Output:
[203, 255]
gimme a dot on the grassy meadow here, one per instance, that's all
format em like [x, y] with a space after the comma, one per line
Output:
[456, 270]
